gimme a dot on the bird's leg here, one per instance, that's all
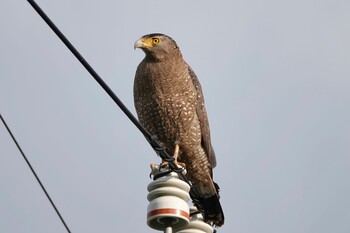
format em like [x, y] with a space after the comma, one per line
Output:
[176, 152]
[175, 155]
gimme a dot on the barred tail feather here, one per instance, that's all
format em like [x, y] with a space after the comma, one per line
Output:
[210, 207]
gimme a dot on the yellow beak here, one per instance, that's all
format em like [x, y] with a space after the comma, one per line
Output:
[143, 43]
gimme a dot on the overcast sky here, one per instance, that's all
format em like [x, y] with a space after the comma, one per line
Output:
[276, 80]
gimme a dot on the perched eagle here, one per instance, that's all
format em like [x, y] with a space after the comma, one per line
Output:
[169, 103]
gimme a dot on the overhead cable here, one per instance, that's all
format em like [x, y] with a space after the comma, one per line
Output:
[34, 173]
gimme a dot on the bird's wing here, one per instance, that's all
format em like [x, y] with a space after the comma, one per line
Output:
[203, 119]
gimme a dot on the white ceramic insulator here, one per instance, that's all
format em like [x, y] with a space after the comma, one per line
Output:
[168, 196]
[197, 225]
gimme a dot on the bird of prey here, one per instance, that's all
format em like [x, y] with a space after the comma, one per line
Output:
[169, 103]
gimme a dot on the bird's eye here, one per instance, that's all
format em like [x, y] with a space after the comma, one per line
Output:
[155, 40]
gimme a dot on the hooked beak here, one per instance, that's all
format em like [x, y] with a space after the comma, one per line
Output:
[138, 44]
[143, 43]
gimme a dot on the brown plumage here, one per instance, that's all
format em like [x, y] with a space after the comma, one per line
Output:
[169, 103]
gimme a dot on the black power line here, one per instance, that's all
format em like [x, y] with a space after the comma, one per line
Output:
[152, 139]
[34, 173]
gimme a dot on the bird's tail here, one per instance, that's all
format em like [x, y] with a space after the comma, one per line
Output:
[210, 206]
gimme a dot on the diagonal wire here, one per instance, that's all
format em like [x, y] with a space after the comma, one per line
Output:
[152, 139]
[34, 173]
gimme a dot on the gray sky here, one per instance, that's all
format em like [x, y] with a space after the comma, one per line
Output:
[276, 78]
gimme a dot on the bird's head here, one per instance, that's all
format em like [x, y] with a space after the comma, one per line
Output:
[157, 46]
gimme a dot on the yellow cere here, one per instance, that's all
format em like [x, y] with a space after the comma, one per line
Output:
[149, 42]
